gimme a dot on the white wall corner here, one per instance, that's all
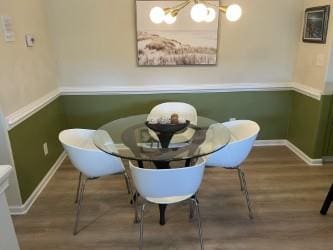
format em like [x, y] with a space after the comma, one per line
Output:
[23, 209]
[6, 158]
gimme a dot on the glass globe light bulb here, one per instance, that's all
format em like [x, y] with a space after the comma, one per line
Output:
[157, 15]
[211, 15]
[199, 12]
[170, 19]
[234, 13]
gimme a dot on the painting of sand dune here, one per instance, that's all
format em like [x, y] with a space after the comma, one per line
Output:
[182, 43]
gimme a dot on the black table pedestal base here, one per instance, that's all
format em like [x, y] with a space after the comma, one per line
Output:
[162, 208]
[327, 202]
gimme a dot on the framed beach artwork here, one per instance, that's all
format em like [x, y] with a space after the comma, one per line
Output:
[316, 24]
[184, 42]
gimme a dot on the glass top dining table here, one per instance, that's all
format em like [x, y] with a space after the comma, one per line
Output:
[130, 138]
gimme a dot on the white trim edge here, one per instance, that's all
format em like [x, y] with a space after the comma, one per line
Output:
[25, 112]
[23, 209]
[161, 89]
[198, 88]
[293, 148]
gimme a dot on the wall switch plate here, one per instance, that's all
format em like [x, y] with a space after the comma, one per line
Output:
[29, 40]
[7, 28]
[45, 149]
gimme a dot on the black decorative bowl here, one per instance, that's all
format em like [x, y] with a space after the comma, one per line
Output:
[168, 128]
[165, 132]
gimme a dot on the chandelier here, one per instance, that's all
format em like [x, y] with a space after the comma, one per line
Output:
[202, 11]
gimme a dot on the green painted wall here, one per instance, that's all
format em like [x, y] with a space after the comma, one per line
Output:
[309, 124]
[328, 125]
[27, 139]
[270, 109]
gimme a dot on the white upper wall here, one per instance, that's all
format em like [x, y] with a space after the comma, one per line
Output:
[308, 70]
[329, 77]
[26, 74]
[95, 44]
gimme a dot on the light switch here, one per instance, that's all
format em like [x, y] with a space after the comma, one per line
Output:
[29, 40]
[7, 27]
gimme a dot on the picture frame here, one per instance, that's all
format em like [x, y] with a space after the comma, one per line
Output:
[316, 20]
[184, 43]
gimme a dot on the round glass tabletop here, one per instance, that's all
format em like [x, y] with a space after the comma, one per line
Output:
[130, 138]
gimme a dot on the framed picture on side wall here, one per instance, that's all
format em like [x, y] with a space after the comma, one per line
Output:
[316, 24]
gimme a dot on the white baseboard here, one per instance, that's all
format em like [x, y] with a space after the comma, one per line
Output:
[266, 143]
[303, 156]
[293, 148]
[23, 209]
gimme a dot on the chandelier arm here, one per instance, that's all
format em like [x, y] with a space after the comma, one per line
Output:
[184, 4]
[180, 6]
[222, 8]
[175, 10]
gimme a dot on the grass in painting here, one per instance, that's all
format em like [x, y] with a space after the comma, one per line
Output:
[154, 49]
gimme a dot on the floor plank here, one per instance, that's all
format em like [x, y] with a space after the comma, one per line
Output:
[286, 197]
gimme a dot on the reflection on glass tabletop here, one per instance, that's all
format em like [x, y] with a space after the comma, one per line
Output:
[130, 138]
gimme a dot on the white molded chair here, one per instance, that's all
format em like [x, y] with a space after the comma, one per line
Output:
[243, 136]
[168, 186]
[184, 111]
[90, 161]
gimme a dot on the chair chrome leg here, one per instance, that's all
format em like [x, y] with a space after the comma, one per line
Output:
[128, 184]
[247, 196]
[240, 179]
[78, 208]
[78, 188]
[196, 204]
[192, 206]
[133, 198]
[135, 206]
[141, 226]
[191, 210]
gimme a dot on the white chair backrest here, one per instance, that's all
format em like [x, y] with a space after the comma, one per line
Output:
[164, 183]
[243, 136]
[85, 156]
[184, 111]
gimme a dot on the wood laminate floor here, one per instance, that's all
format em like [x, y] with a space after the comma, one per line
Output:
[286, 197]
